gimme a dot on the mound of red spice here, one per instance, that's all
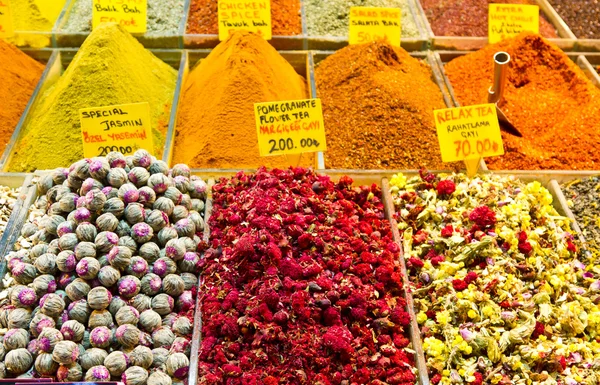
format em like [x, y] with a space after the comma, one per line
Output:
[301, 284]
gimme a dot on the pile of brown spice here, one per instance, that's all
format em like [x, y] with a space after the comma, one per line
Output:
[548, 98]
[378, 104]
[470, 17]
[285, 17]
[19, 75]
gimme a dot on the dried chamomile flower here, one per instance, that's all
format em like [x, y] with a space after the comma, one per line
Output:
[159, 378]
[72, 330]
[92, 357]
[127, 315]
[178, 365]
[18, 361]
[141, 356]
[141, 302]
[138, 267]
[65, 352]
[97, 373]
[45, 365]
[128, 336]
[100, 337]
[19, 318]
[163, 304]
[16, 339]
[69, 373]
[163, 337]
[88, 268]
[150, 320]
[100, 318]
[129, 286]
[78, 289]
[99, 298]
[108, 276]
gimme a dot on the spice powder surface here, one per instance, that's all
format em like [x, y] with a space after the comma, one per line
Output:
[547, 97]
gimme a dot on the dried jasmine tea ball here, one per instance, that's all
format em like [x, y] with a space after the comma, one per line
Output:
[99, 168]
[182, 326]
[19, 318]
[116, 304]
[69, 373]
[198, 189]
[66, 352]
[150, 252]
[164, 266]
[189, 262]
[67, 202]
[44, 284]
[116, 363]
[175, 249]
[151, 284]
[128, 336]
[39, 322]
[116, 177]
[78, 289]
[190, 243]
[79, 311]
[97, 373]
[179, 213]
[23, 297]
[38, 250]
[163, 337]
[128, 193]
[157, 220]
[190, 280]
[65, 279]
[135, 213]
[165, 205]
[51, 222]
[159, 183]
[52, 305]
[128, 242]
[150, 320]
[147, 196]
[141, 232]
[18, 361]
[44, 184]
[107, 222]
[92, 357]
[141, 302]
[110, 192]
[163, 304]
[45, 365]
[159, 358]
[100, 337]
[99, 298]
[165, 235]
[127, 315]
[181, 345]
[95, 200]
[24, 273]
[86, 232]
[119, 257]
[88, 268]
[178, 365]
[46, 263]
[72, 330]
[141, 356]
[16, 339]
[82, 215]
[159, 378]
[173, 285]
[129, 286]
[138, 267]
[105, 241]
[169, 319]
[135, 376]
[68, 241]
[114, 206]
[66, 261]
[139, 176]
[186, 301]
[67, 227]
[185, 227]
[108, 276]
[123, 229]
[100, 318]
[115, 159]
[158, 166]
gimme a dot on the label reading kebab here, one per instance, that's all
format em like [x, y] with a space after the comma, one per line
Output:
[131, 14]
[471, 132]
[249, 15]
[124, 128]
[290, 127]
[370, 24]
[509, 20]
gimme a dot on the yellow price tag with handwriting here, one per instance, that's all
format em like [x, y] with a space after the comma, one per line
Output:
[369, 24]
[131, 14]
[252, 16]
[6, 25]
[125, 128]
[471, 132]
[290, 127]
[509, 20]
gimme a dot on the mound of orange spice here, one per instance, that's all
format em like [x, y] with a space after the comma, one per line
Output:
[548, 98]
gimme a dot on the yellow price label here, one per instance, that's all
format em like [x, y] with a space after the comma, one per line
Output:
[369, 24]
[124, 128]
[131, 14]
[508, 20]
[290, 127]
[471, 132]
[6, 25]
[246, 15]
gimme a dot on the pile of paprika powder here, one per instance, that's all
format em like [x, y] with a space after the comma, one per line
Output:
[548, 98]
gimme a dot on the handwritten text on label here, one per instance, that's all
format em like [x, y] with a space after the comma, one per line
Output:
[508, 20]
[290, 127]
[252, 16]
[469, 132]
[131, 14]
[370, 24]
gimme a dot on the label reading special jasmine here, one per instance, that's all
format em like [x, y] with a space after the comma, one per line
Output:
[508, 20]
[370, 24]
[471, 132]
[131, 14]
[290, 127]
[6, 26]
[254, 16]
[124, 128]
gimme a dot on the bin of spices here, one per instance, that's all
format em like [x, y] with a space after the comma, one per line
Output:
[463, 25]
[582, 19]
[33, 22]
[202, 30]
[583, 199]
[548, 97]
[327, 22]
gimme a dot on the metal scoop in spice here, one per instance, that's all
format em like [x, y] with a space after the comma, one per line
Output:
[495, 93]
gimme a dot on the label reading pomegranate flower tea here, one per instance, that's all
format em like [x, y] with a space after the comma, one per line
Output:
[131, 14]
[290, 127]
[254, 16]
[509, 20]
[370, 24]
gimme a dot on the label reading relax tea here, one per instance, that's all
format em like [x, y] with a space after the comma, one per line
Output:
[252, 16]
[125, 128]
[370, 24]
[290, 127]
[131, 14]
[508, 20]
[6, 27]
[471, 132]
